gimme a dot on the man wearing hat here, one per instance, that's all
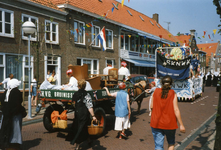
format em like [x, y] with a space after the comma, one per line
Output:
[72, 81]
[124, 71]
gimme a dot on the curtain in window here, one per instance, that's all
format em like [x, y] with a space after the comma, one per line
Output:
[14, 66]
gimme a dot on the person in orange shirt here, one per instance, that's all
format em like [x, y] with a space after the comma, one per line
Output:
[165, 113]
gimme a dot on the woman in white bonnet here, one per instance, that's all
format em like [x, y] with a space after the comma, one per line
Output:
[10, 129]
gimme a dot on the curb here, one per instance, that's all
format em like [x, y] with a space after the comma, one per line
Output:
[193, 135]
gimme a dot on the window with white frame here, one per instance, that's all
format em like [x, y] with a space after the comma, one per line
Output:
[51, 32]
[17, 65]
[95, 30]
[79, 33]
[2, 66]
[109, 39]
[6, 23]
[92, 64]
[110, 61]
[125, 42]
[35, 21]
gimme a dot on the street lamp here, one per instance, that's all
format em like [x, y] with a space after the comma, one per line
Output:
[29, 28]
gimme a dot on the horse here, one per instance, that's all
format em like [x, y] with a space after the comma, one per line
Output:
[139, 93]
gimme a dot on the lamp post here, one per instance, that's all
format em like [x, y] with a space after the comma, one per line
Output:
[29, 28]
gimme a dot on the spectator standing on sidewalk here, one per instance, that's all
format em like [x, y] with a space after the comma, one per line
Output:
[10, 76]
[122, 110]
[165, 113]
[83, 109]
[34, 92]
[150, 91]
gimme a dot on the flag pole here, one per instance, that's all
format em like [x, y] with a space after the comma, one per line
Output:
[96, 36]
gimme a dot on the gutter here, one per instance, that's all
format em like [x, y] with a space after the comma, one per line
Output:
[43, 7]
[68, 6]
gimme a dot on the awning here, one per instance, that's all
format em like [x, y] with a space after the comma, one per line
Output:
[141, 63]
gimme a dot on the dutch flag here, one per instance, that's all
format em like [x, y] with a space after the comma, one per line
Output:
[102, 38]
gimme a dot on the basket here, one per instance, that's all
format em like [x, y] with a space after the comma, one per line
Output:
[95, 129]
[61, 124]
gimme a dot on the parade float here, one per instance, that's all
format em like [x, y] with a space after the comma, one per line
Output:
[176, 62]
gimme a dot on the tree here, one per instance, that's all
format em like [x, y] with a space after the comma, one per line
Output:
[218, 10]
[217, 145]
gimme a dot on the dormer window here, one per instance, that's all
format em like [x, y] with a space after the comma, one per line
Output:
[129, 12]
[115, 6]
[151, 22]
[141, 18]
[158, 26]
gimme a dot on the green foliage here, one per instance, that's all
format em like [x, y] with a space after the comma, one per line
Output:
[218, 11]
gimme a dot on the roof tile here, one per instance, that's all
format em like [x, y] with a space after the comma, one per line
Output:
[121, 15]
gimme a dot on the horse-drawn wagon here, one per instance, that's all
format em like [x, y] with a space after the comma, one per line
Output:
[60, 100]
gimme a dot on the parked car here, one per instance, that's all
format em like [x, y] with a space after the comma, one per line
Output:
[150, 79]
[135, 78]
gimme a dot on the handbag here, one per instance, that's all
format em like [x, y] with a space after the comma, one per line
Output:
[95, 129]
[59, 121]
[61, 124]
[23, 112]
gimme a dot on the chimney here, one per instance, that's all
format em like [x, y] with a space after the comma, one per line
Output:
[156, 17]
[192, 32]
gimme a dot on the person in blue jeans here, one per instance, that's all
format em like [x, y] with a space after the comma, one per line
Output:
[34, 92]
[122, 110]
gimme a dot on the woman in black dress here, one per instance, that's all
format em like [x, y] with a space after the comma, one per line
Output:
[83, 109]
[208, 79]
[10, 130]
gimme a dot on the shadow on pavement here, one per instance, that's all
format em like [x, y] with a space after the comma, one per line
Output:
[31, 143]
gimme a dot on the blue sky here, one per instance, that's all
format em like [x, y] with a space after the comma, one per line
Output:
[184, 15]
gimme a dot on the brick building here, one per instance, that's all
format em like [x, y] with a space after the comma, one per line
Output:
[65, 31]
[49, 38]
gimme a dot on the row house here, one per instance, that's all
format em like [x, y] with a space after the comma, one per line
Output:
[67, 34]
[190, 40]
[213, 56]
[131, 36]
[48, 39]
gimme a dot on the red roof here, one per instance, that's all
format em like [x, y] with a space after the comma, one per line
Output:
[121, 15]
[184, 39]
[208, 48]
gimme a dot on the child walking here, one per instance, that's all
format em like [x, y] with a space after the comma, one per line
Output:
[122, 110]
[150, 91]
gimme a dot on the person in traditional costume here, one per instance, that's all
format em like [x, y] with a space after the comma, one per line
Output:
[83, 109]
[215, 78]
[208, 79]
[11, 121]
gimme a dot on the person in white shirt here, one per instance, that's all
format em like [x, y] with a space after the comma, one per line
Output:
[10, 76]
[72, 81]
[34, 92]
[105, 70]
[124, 71]
[48, 75]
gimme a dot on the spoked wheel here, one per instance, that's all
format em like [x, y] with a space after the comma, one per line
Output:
[100, 115]
[47, 116]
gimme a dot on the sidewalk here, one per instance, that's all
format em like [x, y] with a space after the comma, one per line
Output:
[201, 139]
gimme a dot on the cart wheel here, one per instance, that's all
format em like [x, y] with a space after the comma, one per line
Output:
[100, 115]
[47, 116]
